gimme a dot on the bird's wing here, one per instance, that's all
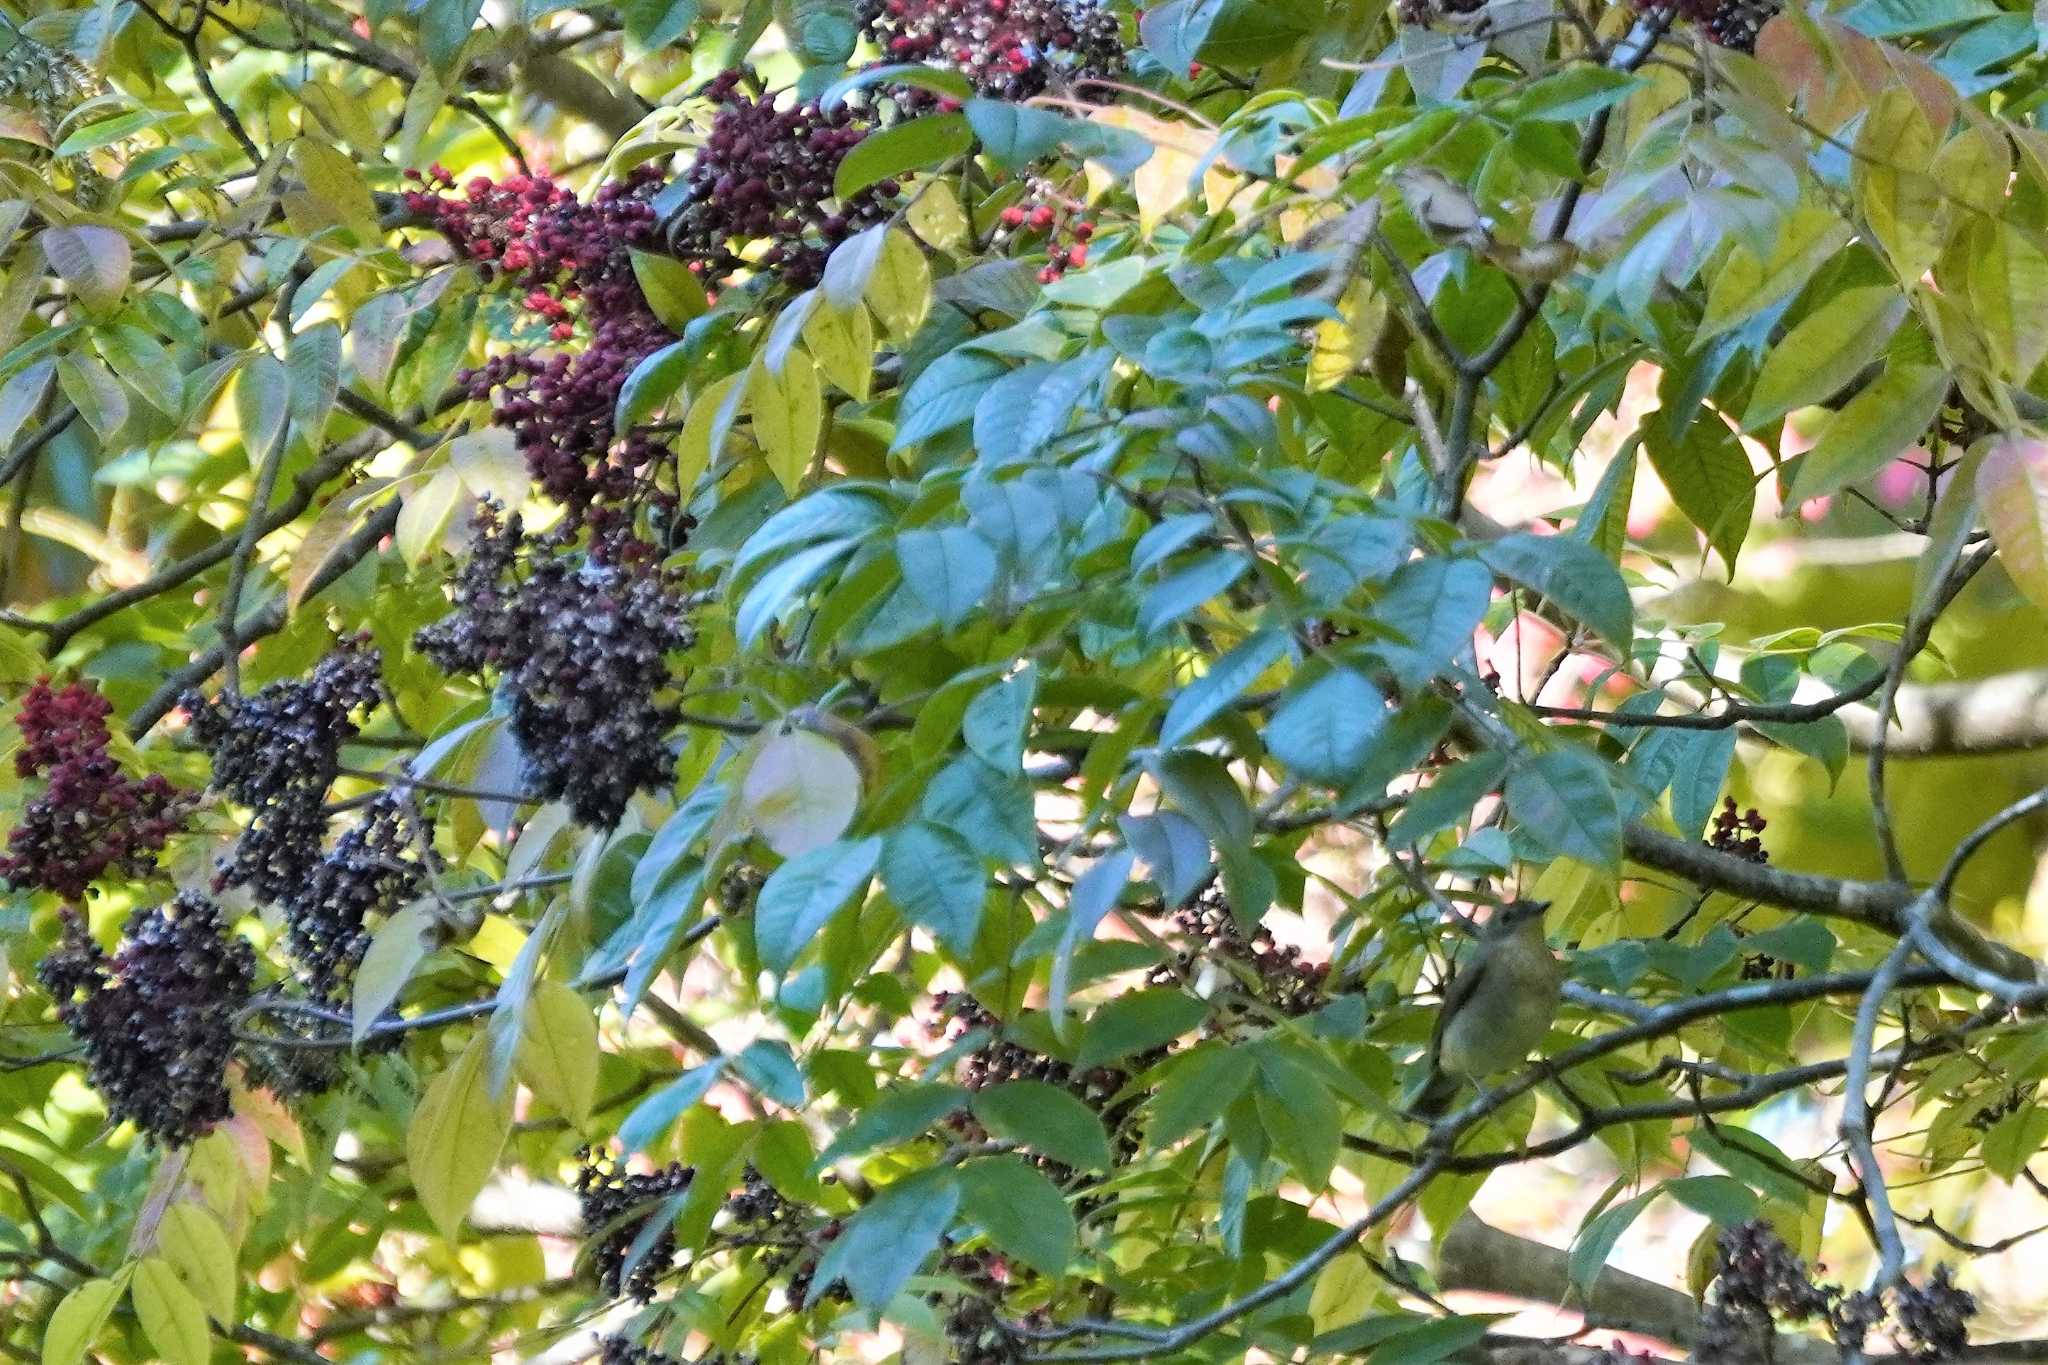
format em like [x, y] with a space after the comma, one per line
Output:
[1464, 984]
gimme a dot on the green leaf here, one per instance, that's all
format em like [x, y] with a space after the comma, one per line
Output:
[313, 359]
[1746, 286]
[2012, 489]
[1874, 428]
[655, 381]
[771, 1069]
[1094, 896]
[1178, 597]
[76, 1321]
[672, 289]
[195, 1245]
[1023, 1212]
[1707, 473]
[94, 261]
[655, 1115]
[1229, 678]
[1596, 1240]
[1573, 575]
[1048, 1120]
[1300, 1115]
[1175, 851]
[913, 145]
[883, 1245]
[1824, 352]
[2014, 1140]
[937, 881]
[1432, 605]
[897, 1115]
[558, 1052]
[1578, 92]
[93, 390]
[147, 366]
[1325, 725]
[399, 945]
[1199, 1086]
[951, 570]
[1448, 799]
[1201, 787]
[452, 1144]
[657, 23]
[801, 895]
[1564, 800]
[1724, 1199]
[171, 1318]
[1138, 1022]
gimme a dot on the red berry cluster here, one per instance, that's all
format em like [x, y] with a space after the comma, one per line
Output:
[571, 264]
[766, 175]
[277, 753]
[90, 815]
[1007, 49]
[1739, 832]
[616, 1207]
[156, 1017]
[581, 644]
[1060, 255]
[1729, 23]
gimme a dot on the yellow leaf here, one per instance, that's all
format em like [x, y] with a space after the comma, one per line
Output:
[1346, 1290]
[1340, 346]
[1900, 201]
[558, 1050]
[172, 1319]
[937, 217]
[843, 344]
[1162, 185]
[456, 1134]
[425, 514]
[705, 427]
[789, 412]
[489, 464]
[900, 290]
[195, 1245]
[78, 1319]
[336, 184]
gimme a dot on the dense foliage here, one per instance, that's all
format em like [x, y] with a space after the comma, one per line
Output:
[801, 679]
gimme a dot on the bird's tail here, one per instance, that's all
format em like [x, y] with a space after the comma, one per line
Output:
[1433, 1100]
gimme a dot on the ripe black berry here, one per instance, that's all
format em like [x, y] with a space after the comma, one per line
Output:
[616, 1207]
[1007, 49]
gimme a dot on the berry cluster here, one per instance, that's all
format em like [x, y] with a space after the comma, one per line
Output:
[277, 753]
[1272, 972]
[1739, 832]
[90, 816]
[1731, 24]
[581, 645]
[570, 262]
[975, 1330]
[1060, 255]
[616, 1350]
[1759, 1280]
[1424, 12]
[374, 868]
[1007, 49]
[156, 1016]
[739, 886]
[759, 1216]
[616, 1207]
[766, 175]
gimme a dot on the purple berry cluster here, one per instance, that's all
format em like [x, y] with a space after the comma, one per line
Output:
[90, 816]
[156, 1016]
[374, 868]
[572, 264]
[766, 175]
[1732, 24]
[976, 1333]
[277, 753]
[616, 1350]
[1007, 49]
[581, 645]
[1276, 974]
[616, 1206]
[1739, 832]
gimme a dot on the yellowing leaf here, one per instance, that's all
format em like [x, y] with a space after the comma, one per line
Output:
[789, 412]
[801, 791]
[843, 344]
[456, 1134]
[1900, 201]
[398, 946]
[1824, 351]
[2006, 286]
[78, 1319]
[172, 1319]
[336, 184]
[490, 466]
[900, 290]
[1340, 347]
[1346, 1290]
[705, 427]
[195, 1245]
[558, 1050]
[1746, 286]
[2012, 489]
[426, 513]
[1163, 183]
[1870, 431]
[936, 216]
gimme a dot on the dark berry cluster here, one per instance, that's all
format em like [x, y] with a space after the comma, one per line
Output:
[1425, 12]
[1007, 49]
[90, 816]
[616, 1350]
[277, 753]
[581, 644]
[1729, 23]
[766, 176]
[1066, 246]
[738, 888]
[571, 265]
[1274, 973]
[1759, 1280]
[1739, 832]
[374, 868]
[975, 1331]
[156, 1016]
[616, 1207]
[757, 1215]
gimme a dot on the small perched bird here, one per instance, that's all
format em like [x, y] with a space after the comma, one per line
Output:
[1497, 1008]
